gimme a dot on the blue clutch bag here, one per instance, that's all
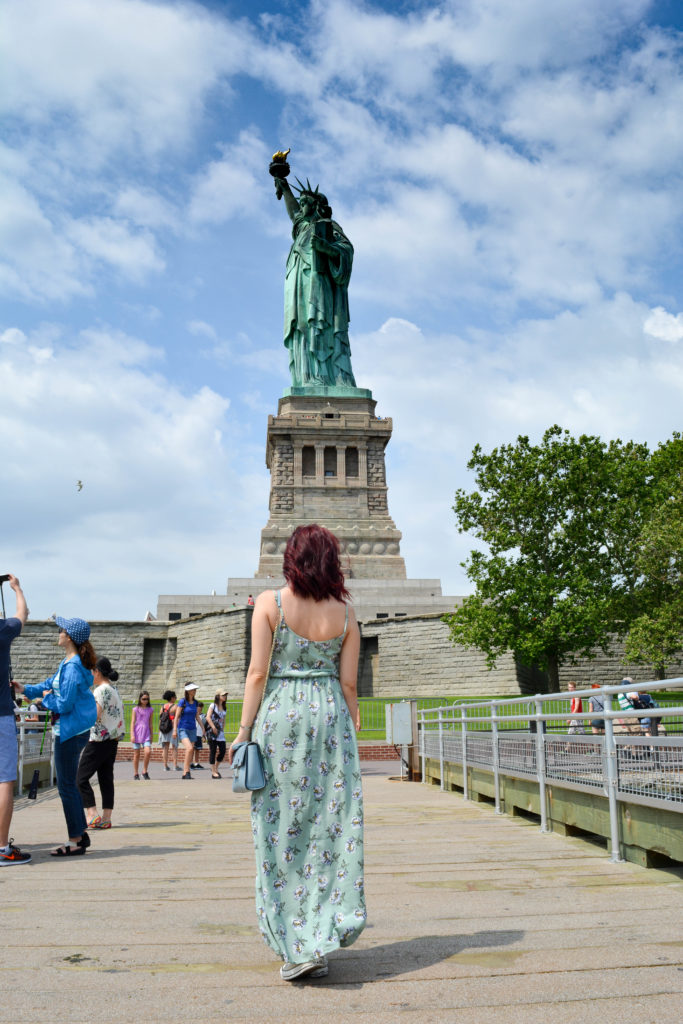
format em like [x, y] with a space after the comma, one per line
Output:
[247, 767]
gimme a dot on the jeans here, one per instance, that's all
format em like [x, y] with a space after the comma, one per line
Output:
[98, 757]
[67, 756]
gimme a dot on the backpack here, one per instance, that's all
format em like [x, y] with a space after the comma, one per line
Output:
[165, 719]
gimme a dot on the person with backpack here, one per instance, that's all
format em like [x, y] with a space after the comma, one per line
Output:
[187, 724]
[167, 739]
[215, 732]
[651, 723]
[627, 702]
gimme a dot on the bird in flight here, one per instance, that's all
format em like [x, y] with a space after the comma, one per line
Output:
[79, 485]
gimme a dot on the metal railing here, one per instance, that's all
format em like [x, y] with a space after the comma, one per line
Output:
[34, 742]
[513, 738]
[372, 713]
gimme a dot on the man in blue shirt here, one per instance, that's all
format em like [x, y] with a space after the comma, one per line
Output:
[9, 629]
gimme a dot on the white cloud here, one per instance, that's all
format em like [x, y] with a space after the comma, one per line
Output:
[128, 72]
[112, 242]
[201, 329]
[36, 262]
[12, 336]
[591, 372]
[155, 462]
[664, 326]
[145, 207]
[234, 185]
[484, 157]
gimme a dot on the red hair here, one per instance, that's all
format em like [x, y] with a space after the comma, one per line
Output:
[311, 564]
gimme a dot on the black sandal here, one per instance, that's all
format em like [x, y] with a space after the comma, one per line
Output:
[68, 851]
[217, 776]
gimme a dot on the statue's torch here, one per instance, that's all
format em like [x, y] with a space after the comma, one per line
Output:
[279, 168]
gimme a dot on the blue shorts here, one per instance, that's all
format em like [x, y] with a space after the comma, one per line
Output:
[188, 734]
[9, 750]
[139, 746]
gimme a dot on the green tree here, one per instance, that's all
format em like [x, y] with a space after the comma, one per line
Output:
[561, 521]
[656, 635]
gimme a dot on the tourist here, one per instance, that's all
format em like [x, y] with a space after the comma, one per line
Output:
[627, 702]
[186, 724]
[215, 733]
[575, 708]
[597, 707]
[652, 724]
[199, 743]
[141, 734]
[67, 694]
[9, 630]
[308, 820]
[100, 752]
[167, 737]
[250, 601]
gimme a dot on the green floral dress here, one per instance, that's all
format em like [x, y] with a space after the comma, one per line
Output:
[308, 820]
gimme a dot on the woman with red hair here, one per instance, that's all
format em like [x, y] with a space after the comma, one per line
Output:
[308, 820]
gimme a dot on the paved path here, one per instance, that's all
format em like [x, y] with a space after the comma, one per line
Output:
[473, 918]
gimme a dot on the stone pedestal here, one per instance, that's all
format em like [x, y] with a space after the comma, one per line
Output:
[325, 452]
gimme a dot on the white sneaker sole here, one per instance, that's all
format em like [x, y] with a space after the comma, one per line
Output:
[311, 969]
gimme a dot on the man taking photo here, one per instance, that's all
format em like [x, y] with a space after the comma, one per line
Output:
[9, 629]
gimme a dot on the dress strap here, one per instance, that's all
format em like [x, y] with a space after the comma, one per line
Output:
[277, 598]
[346, 620]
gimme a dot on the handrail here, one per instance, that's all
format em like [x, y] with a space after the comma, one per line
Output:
[657, 783]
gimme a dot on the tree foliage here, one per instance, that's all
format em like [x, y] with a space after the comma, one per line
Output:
[656, 635]
[562, 522]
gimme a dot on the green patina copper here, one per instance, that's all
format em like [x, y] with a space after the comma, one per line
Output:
[316, 328]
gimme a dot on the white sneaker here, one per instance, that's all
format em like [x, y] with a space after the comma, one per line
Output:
[322, 969]
[313, 968]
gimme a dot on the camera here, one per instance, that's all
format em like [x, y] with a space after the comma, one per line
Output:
[5, 578]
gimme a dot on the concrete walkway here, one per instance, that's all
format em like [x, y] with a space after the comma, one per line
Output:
[473, 918]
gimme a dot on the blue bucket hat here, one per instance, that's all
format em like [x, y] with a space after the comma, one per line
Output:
[78, 629]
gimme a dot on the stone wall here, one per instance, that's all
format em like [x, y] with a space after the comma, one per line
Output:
[413, 657]
[212, 651]
[609, 669]
[400, 657]
[35, 654]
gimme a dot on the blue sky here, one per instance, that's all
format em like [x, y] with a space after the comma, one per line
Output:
[509, 175]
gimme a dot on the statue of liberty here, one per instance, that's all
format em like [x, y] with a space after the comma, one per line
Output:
[316, 329]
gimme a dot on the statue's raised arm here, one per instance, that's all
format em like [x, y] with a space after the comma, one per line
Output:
[316, 330]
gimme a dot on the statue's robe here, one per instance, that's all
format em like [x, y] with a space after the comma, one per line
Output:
[316, 330]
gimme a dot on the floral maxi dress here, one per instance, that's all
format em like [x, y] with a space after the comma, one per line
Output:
[308, 820]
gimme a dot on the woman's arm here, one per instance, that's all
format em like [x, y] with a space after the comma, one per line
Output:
[211, 729]
[132, 723]
[176, 716]
[35, 690]
[348, 668]
[68, 690]
[263, 623]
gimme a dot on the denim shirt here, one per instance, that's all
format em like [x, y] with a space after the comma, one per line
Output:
[75, 703]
